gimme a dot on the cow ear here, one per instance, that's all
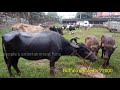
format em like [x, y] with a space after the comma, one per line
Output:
[114, 47]
[73, 45]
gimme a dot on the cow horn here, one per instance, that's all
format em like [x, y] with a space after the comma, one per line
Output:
[114, 46]
[73, 45]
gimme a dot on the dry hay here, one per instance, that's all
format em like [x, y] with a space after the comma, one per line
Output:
[43, 62]
[89, 72]
[58, 68]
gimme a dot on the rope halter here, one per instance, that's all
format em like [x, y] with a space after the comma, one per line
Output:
[87, 66]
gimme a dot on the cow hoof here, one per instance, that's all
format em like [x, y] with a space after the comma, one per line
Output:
[52, 75]
[107, 64]
[59, 68]
[12, 76]
[104, 66]
[18, 74]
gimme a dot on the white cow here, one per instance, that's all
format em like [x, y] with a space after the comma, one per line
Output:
[85, 24]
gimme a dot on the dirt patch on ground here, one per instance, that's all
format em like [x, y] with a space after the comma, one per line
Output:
[91, 72]
[42, 62]
[75, 33]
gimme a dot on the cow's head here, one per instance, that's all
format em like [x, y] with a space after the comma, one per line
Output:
[56, 29]
[53, 28]
[108, 50]
[84, 52]
[60, 30]
[95, 49]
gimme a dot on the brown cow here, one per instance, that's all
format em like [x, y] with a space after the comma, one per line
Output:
[16, 26]
[108, 46]
[92, 43]
[27, 28]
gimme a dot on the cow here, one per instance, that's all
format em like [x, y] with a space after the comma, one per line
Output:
[70, 28]
[77, 26]
[92, 43]
[27, 27]
[37, 46]
[57, 29]
[108, 47]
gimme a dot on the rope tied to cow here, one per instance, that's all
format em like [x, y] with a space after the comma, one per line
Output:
[85, 64]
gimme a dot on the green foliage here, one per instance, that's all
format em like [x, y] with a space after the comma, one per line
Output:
[84, 15]
[32, 17]
[52, 14]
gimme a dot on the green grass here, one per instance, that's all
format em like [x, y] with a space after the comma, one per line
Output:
[40, 69]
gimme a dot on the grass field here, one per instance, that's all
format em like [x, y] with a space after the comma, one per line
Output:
[40, 69]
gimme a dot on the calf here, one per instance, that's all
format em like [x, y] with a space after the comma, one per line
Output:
[108, 46]
[92, 43]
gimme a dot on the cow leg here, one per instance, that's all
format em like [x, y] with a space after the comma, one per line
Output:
[52, 65]
[6, 60]
[8, 63]
[70, 31]
[104, 64]
[14, 64]
[52, 68]
[9, 67]
[107, 63]
[102, 54]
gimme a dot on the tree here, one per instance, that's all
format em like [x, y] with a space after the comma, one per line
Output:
[31, 17]
[89, 14]
[52, 14]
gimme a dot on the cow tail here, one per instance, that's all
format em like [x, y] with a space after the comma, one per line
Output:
[4, 50]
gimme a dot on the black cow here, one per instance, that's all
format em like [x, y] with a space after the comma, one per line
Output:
[71, 27]
[77, 26]
[56, 29]
[43, 45]
[108, 47]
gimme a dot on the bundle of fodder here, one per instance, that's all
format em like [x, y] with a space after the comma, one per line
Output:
[90, 72]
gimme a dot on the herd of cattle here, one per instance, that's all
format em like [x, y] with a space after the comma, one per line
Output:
[32, 28]
[50, 44]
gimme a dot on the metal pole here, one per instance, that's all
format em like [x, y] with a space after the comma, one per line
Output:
[80, 15]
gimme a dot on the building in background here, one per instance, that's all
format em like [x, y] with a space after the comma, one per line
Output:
[108, 14]
[98, 18]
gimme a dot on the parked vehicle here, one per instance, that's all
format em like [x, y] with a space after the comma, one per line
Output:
[112, 26]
